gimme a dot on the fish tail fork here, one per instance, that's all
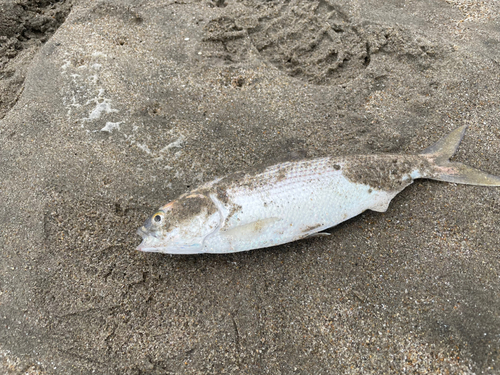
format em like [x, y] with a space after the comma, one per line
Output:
[445, 170]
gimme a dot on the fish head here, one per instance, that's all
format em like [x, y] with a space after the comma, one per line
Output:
[181, 226]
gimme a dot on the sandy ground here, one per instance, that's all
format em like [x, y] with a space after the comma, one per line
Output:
[112, 108]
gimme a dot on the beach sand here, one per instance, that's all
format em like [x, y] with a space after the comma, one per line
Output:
[112, 108]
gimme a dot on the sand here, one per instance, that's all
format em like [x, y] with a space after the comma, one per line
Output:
[110, 109]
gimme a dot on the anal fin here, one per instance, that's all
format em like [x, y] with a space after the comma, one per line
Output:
[381, 207]
[383, 200]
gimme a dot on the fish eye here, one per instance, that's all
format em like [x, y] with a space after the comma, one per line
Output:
[158, 218]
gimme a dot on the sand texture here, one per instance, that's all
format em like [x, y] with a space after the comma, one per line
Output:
[109, 109]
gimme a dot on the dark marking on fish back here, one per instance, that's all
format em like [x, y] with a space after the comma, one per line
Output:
[189, 206]
[222, 194]
[385, 172]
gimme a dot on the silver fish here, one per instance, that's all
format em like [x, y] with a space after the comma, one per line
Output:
[294, 200]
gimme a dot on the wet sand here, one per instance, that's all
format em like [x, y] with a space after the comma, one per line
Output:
[111, 109]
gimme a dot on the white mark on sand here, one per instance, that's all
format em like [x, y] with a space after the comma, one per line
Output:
[100, 108]
[66, 65]
[175, 144]
[144, 148]
[98, 54]
[110, 126]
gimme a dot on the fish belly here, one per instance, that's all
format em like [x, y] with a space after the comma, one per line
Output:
[304, 200]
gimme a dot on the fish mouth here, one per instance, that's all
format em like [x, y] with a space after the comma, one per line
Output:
[145, 245]
[147, 248]
[142, 231]
[149, 239]
[142, 247]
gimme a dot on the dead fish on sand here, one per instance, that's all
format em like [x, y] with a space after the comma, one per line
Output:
[294, 200]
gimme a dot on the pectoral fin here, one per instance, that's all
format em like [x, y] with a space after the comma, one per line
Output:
[250, 230]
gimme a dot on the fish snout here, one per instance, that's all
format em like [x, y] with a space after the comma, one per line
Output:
[147, 224]
[147, 229]
[143, 232]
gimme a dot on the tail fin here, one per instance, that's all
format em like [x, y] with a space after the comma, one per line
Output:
[459, 173]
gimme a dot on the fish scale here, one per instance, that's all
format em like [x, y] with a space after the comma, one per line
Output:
[310, 197]
[294, 200]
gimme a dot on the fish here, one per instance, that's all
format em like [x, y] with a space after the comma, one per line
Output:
[298, 199]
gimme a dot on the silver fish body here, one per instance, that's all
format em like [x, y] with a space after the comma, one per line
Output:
[294, 200]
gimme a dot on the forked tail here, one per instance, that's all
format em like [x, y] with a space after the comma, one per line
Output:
[448, 171]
